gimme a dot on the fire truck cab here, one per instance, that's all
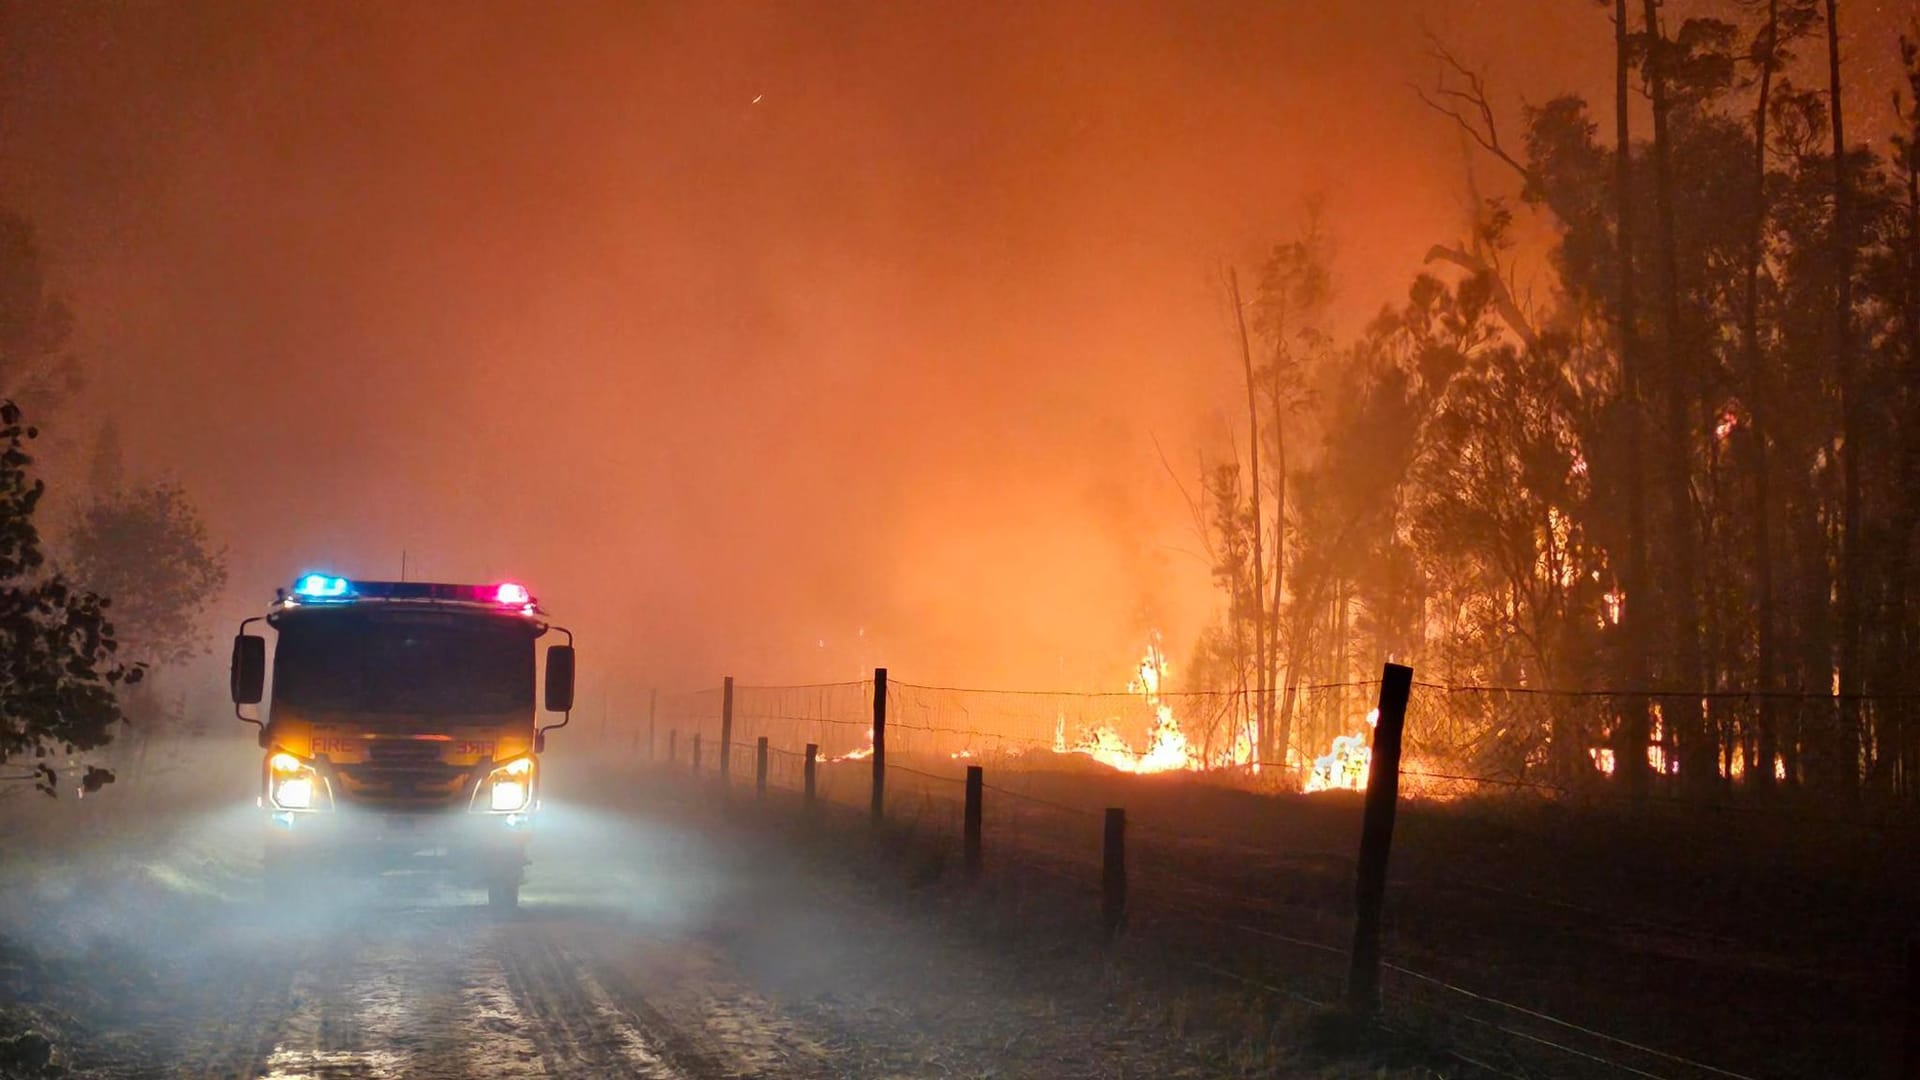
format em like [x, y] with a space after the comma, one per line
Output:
[401, 727]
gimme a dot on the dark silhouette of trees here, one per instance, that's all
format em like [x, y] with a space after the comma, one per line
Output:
[64, 663]
[1690, 476]
[146, 548]
[59, 670]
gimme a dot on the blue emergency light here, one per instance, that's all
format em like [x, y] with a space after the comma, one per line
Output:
[325, 587]
[322, 587]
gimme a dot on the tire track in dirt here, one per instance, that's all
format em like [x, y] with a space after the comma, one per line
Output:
[354, 1010]
[232, 1021]
[708, 1021]
[679, 1047]
[574, 1026]
[397, 1001]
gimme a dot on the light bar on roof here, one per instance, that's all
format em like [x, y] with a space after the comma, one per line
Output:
[325, 587]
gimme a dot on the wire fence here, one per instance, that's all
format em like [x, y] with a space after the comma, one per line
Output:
[1532, 886]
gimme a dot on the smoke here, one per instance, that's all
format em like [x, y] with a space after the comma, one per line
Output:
[769, 340]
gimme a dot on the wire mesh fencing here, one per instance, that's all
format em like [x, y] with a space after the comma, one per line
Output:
[1538, 880]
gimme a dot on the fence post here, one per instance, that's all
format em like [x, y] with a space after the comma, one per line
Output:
[1113, 872]
[1911, 1066]
[760, 768]
[673, 748]
[696, 753]
[1376, 839]
[976, 782]
[726, 730]
[878, 811]
[813, 759]
[653, 702]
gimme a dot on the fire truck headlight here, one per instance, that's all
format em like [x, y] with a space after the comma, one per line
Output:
[293, 793]
[291, 784]
[510, 787]
[509, 795]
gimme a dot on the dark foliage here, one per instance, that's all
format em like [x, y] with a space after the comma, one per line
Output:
[58, 669]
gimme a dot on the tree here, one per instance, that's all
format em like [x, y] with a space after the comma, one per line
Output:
[1784, 23]
[1262, 637]
[1296, 284]
[1852, 562]
[1902, 269]
[146, 548]
[1634, 626]
[58, 667]
[1693, 471]
[35, 366]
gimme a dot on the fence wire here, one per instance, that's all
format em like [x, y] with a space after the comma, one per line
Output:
[1053, 761]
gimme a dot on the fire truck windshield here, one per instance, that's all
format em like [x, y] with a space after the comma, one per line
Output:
[404, 662]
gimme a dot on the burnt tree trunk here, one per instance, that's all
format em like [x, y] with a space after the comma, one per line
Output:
[1631, 731]
[1682, 577]
[1845, 770]
[1758, 402]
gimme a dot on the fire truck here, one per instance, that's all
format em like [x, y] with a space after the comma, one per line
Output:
[401, 728]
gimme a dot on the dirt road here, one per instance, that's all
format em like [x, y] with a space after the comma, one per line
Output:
[450, 992]
[649, 944]
[182, 960]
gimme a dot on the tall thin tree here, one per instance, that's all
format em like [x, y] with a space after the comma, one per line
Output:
[1262, 640]
[1767, 56]
[1852, 556]
[1630, 750]
[1696, 751]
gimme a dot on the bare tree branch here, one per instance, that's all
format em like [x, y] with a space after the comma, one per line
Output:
[1195, 509]
[1481, 126]
[1502, 295]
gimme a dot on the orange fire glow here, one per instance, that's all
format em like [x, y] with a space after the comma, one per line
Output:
[860, 754]
[1168, 749]
[1344, 767]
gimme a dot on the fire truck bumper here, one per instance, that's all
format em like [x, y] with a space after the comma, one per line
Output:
[482, 846]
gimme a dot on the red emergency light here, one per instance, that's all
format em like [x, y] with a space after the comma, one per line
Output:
[328, 589]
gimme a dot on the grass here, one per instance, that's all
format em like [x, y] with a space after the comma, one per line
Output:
[1757, 940]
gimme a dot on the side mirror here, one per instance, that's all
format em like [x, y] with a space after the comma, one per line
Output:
[559, 678]
[248, 675]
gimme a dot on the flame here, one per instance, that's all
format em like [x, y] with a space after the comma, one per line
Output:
[861, 754]
[1728, 421]
[1168, 749]
[1344, 767]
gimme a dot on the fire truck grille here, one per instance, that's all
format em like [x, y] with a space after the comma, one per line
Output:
[403, 770]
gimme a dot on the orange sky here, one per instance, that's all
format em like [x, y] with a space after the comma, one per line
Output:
[867, 370]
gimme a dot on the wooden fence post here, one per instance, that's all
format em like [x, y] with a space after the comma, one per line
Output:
[878, 810]
[813, 761]
[1910, 1068]
[1113, 872]
[653, 703]
[726, 730]
[760, 768]
[976, 783]
[696, 753]
[1376, 839]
